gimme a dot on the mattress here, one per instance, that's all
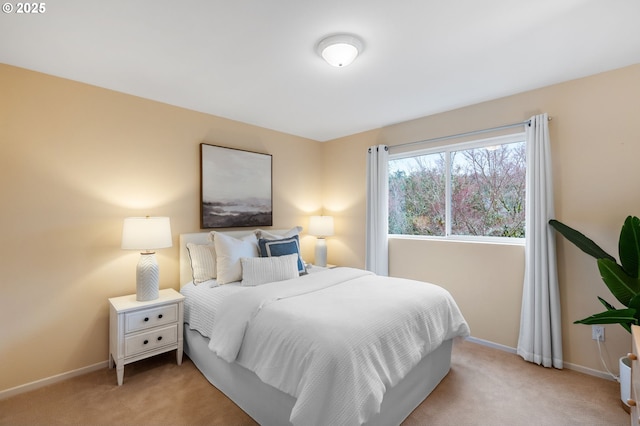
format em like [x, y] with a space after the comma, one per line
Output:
[333, 382]
[269, 406]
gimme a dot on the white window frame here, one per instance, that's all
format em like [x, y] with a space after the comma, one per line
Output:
[447, 149]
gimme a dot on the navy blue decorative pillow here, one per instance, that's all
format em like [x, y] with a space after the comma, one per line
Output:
[282, 247]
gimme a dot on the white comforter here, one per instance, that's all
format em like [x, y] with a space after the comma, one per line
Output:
[335, 340]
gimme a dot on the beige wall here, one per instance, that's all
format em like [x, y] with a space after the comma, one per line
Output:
[595, 147]
[74, 161]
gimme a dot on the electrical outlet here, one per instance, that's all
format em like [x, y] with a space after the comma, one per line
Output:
[597, 332]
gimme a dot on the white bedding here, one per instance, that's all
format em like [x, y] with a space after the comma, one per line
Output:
[334, 340]
[202, 301]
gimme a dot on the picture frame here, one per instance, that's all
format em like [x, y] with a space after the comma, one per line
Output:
[235, 188]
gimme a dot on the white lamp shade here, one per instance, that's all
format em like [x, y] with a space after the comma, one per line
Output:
[146, 233]
[321, 226]
[340, 50]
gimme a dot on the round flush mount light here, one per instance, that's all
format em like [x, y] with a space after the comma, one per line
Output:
[340, 50]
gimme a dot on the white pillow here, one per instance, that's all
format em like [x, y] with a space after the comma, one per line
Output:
[261, 270]
[229, 250]
[203, 262]
[261, 233]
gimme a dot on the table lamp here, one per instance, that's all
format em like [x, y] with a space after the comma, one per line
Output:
[146, 233]
[321, 227]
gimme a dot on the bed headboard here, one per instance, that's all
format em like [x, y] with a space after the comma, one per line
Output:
[203, 238]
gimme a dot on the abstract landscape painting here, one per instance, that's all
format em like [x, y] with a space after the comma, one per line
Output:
[235, 188]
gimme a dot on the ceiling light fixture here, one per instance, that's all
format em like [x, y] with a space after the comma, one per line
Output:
[340, 50]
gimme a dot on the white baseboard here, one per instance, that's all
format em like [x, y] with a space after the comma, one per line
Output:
[51, 380]
[567, 365]
[491, 344]
[589, 371]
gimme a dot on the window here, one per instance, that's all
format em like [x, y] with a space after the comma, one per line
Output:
[468, 190]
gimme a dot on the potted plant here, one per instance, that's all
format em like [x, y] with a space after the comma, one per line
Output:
[622, 279]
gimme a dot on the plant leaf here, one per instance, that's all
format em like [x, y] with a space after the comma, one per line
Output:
[629, 245]
[580, 240]
[606, 304]
[634, 301]
[616, 316]
[621, 285]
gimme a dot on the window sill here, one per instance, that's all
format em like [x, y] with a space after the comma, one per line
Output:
[463, 239]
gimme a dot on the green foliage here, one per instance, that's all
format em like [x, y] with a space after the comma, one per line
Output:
[629, 246]
[581, 241]
[622, 280]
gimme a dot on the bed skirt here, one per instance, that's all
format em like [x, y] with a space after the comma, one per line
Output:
[271, 407]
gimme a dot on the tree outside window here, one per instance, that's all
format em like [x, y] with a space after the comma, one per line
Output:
[476, 191]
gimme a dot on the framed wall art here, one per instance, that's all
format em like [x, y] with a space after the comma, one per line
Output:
[235, 187]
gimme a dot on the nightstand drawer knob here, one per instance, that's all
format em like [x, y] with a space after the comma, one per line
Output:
[631, 402]
[145, 342]
[632, 357]
[160, 316]
[159, 338]
[146, 319]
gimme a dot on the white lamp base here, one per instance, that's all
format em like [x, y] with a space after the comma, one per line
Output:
[321, 252]
[147, 278]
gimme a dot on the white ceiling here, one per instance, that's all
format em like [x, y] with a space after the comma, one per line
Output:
[254, 60]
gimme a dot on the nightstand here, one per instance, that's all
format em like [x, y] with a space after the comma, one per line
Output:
[314, 268]
[138, 330]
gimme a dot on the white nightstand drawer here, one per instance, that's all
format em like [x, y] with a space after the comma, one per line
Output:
[151, 340]
[150, 318]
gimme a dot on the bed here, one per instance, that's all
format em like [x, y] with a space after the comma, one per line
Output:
[236, 351]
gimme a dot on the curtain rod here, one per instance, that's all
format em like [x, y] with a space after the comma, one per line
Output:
[471, 133]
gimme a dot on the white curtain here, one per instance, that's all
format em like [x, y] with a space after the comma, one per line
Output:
[540, 339]
[377, 251]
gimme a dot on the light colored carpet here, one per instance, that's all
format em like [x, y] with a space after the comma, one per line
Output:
[487, 386]
[484, 387]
